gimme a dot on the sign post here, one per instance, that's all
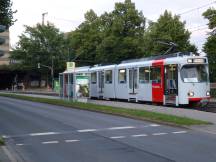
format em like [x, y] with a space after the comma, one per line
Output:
[71, 85]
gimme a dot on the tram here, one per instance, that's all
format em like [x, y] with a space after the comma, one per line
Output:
[174, 79]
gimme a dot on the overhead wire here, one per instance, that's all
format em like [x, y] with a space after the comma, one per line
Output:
[197, 8]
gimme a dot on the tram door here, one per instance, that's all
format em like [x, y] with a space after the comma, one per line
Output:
[133, 80]
[101, 83]
[157, 78]
[171, 84]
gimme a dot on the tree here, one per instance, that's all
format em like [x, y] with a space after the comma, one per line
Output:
[168, 28]
[123, 30]
[85, 39]
[210, 46]
[6, 13]
[40, 44]
[111, 37]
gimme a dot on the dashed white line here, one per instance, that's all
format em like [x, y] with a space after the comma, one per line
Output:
[43, 134]
[20, 144]
[139, 135]
[120, 128]
[50, 142]
[68, 141]
[154, 125]
[117, 137]
[4, 136]
[159, 134]
[179, 132]
[86, 130]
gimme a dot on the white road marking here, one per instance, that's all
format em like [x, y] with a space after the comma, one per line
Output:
[179, 132]
[68, 141]
[120, 128]
[86, 130]
[50, 142]
[117, 137]
[43, 134]
[4, 136]
[20, 144]
[158, 134]
[154, 125]
[83, 130]
[139, 135]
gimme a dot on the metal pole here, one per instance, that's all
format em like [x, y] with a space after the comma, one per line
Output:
[63, 85]
[68, 87]
[43, 15]
[52, 74]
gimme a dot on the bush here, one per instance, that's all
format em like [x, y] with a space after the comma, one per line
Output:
[2, 142]
[213, 93]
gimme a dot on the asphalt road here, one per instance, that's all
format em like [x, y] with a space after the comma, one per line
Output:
[46, 133]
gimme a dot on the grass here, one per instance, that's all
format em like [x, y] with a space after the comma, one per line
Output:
[130, 113]
[2, 142]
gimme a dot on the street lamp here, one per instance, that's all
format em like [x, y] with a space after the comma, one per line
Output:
[51, 69]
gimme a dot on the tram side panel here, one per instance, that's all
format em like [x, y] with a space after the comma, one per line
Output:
[144, 84]
[157, 78]
[109, 84]
[121, 87]
[93, 84]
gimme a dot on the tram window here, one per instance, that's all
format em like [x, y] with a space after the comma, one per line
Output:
[94, 78]
[70, 78]
[194, 73]
[108, 77]
[122, 76]
[144, 75]
[156, 74]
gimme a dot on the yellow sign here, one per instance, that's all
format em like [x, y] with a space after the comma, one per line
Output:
[70, 65]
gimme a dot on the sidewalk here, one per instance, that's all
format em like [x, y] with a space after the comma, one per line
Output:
[3, 156]
[182, 112]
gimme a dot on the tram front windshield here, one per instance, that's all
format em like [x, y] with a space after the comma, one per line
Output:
[194, 73]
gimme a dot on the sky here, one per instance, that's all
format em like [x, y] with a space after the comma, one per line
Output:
[68, 14]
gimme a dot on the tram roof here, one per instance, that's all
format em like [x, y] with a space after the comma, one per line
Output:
[106, 67]
[84, 69]
[175, 58]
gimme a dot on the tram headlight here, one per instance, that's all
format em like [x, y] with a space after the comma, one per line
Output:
[191, 94]
[207, 93]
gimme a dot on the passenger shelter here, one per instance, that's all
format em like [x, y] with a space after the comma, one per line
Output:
[74, 83]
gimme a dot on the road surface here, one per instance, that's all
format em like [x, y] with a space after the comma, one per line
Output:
[46, 133]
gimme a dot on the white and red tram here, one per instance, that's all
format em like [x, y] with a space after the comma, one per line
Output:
[176, 79]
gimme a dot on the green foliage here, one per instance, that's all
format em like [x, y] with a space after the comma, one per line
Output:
[110, 38]
[213, 93]
[210, 14]
[41, 43]
[2, 142]
[6, 13]
[85, 39]
[210, 49]
[210, 46]
[123, 35]
[168, 28]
